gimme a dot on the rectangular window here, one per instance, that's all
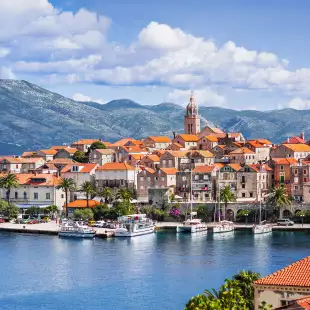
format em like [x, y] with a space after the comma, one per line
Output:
[251, 194]
[141, 179]
[243, 195]
[206, 177]
[281, 167]
[62, 195]
[163, 178]
[141, 187]
[305, 171]
[48, 196]
[243, 185]
[296, 188]
[35, 196]
[16, 195]
[305, 180]
[296, 171]
[196, 177]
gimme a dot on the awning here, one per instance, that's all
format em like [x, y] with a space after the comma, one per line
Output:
[25, 206]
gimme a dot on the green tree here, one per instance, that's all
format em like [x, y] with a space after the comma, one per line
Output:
[235, 294]
[33, 211]
[106, 193]
[226, 195]
[8, 211]
[97, 145]
[89, 191]
[7, 182]
[80, 157]
[244, 213]
[101, 211]
[83, 214]
[278, 198]
[67, 185]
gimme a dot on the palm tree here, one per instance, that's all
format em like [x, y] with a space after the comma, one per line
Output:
[67, 185]
[278, 198]
[125, 195]
[7, 182]
[88, 189]
[227, 195]
[106, 193]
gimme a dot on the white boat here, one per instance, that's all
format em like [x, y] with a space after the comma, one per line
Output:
[74, 230]
[223, 227]
[134, 225]
[192, 226]
[262, 228]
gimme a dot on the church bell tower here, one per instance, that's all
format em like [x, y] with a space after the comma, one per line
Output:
[191, 118]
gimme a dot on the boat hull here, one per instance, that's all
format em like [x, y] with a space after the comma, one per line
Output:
[67, 234]
[121, 232]
[259, 229]
[191, 228]
[221, 230]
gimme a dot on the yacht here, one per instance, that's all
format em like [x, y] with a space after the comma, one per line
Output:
[223, 227]
[134, 225]
[192, 226]
[75, 230]
[262, 228]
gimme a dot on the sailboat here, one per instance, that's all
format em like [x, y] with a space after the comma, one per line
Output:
[262, 227]
[192, 225]
[221, 226]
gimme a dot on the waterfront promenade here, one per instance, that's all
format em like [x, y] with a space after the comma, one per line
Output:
[52, 228]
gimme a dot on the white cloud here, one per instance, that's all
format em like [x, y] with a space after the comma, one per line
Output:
[204, 97]
[298, 104]
[6, 73]
[84, 98]
[4, 52]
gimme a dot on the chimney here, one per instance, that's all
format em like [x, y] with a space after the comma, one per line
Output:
[288, 140]
[302, 135]
[173, 134]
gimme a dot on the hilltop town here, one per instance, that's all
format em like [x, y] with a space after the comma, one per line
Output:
[158, 168]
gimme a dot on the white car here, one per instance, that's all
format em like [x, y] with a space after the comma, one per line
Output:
[285, 222]
[99, 224]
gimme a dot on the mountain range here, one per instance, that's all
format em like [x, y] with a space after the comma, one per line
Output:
[34, 118]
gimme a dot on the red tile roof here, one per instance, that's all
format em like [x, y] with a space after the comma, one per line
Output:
[29, 179]
[134, 149]
[188, 138]
[258, 167]
[152, 157]
[29, 153]
[210, 138]
[236, 167]
[83, 204]
[48, 152]
[242, 150]
[70, 150]
[294, 140]
[204, 169]
[160, 139]
[11, 159]
[296, 274]
[116, 166]
[298, 147]
[169, 170]
[85, 142]
[121, 142]
[86, 168]
[285, 161]
[58, 147]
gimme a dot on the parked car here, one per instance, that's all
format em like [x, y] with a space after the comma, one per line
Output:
[91, 223]
[2, 220]
[285, 222]
[99, 224]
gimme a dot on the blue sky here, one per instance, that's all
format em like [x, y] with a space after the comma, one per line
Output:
[234, 54]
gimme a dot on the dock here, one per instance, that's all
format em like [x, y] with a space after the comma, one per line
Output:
[50, 228]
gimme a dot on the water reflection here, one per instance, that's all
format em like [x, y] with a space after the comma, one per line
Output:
[224, 236]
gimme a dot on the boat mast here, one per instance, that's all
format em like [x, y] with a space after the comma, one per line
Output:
[191, 189]
[260, 195]
[219, 197]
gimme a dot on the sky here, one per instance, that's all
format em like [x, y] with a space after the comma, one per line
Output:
[240, 54]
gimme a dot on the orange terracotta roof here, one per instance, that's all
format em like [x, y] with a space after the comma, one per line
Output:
[206, 154]
[177, 153]
[85, 142]
[121, 142]
[242, 150]
[62, 161]
[116, 166]
[29, 179]
[80, 203]
[285, 161]
[11, 159]
[70, 150]
[134, 149]
[149, 170]
[48, 152]
[204, 169]
[169, 170]
[258, 167]
[188, 138]
[136, 156]
[220, 146]
[219, 165]
[58, 147]
[152, 157]
[86, 168]
[255, 144]
[29, 153]
[264, 141]
[230, 135]
[48, 165]
[160, 139]
[159, 153]
[210, 138]
[177, 145]
[236, 167]
[105, 151]
[298, 147]
[296, 274]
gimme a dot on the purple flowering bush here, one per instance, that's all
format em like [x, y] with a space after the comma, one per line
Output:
[175, 212]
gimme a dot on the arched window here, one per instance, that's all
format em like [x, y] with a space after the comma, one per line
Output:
[25, 195]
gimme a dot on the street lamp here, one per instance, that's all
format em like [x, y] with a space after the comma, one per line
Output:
[302, 219]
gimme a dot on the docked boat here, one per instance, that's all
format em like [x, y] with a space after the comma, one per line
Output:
[223, 227]
[262, 228]
[134, 225]
[75, 230]
[192, 226]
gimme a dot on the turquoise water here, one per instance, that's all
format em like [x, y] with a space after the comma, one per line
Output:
[160, 271]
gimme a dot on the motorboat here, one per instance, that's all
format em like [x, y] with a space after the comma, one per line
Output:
[134, 225]
[192, 226]
[75, 230]
[223, 227]
[262, 228]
